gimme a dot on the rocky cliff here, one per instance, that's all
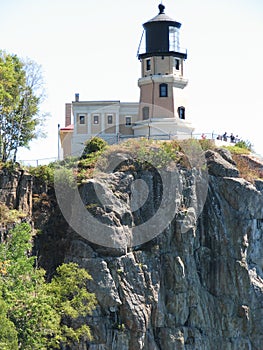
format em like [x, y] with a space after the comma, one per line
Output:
[197, 288]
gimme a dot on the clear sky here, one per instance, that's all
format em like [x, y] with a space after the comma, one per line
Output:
[89, 47]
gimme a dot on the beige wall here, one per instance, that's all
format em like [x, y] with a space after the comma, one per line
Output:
[118, 110]
[162, 66]
[65, 139]
[96, 128]
[110, 128]
[82, 128]
[126, 130]
[150, 96]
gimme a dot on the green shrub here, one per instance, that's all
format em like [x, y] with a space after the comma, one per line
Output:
[244, 144]
[43, 172]
[95, 144]
[10, 215]
[207, 144]
[241, 147]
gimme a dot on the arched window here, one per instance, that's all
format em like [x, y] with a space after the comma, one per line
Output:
[163, 90]
[181, 112]
[145, 113]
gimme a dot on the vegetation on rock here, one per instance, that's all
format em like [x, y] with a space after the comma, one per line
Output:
[143, 153]
[35, 314]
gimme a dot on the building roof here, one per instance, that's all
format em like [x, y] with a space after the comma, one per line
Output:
[161, 17]
[67, 128]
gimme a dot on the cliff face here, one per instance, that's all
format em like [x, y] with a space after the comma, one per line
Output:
[199, 288]
[16, 190]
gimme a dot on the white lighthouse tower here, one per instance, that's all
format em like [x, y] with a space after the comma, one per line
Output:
[162, 106]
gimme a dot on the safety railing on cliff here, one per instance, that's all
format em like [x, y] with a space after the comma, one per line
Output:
[115, 139]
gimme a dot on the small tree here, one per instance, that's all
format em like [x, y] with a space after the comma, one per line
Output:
[38, 315]
[21, 92]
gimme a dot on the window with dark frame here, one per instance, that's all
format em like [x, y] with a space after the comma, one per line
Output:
[110, 119]
[145, 113]
[163, 90]
[95, 119]
[181, 112]
[177, 64]
[128, 121]
[82, 119]
[148, 64]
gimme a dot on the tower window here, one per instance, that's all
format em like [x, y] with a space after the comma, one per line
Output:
[181, 112]
[128, 121]
[148, 64]
[82, 119]
[95, 119]
[177, 63]
[145, 113]
[163, 90]
[110, 119]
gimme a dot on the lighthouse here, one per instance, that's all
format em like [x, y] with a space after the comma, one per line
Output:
[162, 104]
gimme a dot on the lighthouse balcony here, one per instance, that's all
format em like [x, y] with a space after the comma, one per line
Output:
[177, 81]
[163, 129]
[180, 53]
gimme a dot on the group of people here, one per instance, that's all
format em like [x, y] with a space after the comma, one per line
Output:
[225, 137]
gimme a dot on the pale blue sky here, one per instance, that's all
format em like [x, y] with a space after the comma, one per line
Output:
[90, 47]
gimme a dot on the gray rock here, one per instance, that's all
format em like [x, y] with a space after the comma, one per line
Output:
[200, 287]
[196, 288]
[226, 154]
[218, 166]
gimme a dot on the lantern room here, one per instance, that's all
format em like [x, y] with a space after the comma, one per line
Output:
[161, 37]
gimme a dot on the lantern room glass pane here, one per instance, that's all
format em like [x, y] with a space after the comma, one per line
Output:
[174, 39]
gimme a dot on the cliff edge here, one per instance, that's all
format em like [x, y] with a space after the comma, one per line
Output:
[200, 287]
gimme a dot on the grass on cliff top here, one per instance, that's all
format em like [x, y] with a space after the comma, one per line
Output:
[142, 153]
[241, 147]
[248, 170]
[82, 166]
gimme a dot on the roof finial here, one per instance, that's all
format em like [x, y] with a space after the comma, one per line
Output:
[161, 8]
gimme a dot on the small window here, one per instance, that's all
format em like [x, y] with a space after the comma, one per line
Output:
[128, 121]
[110, 119]
[82, 119]
[145, 113]
[95, 119]
[148, 64]
[163, 90]
[181, 112]
[177, 63]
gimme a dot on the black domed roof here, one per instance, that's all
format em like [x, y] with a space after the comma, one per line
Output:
[162, 17]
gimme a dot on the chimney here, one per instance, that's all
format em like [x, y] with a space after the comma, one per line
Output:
[68, 114]
[76, 97]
